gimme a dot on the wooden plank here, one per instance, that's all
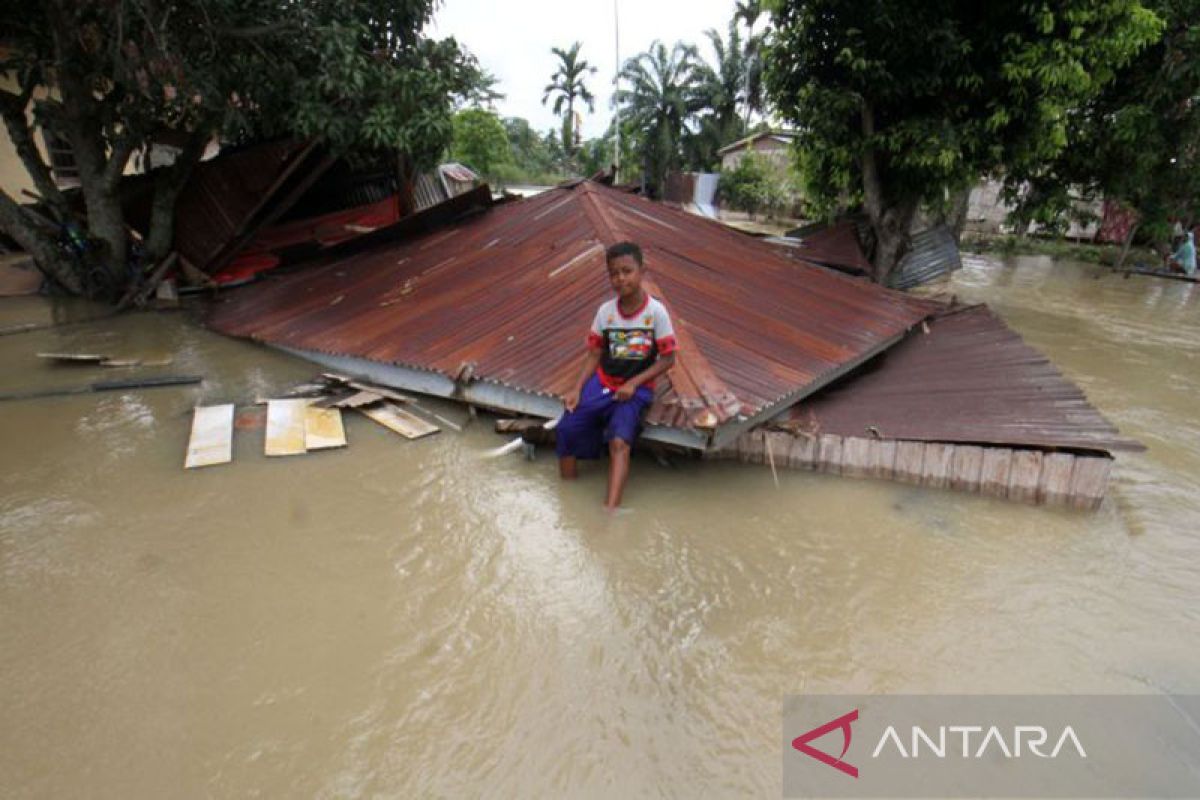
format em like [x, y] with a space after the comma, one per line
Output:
[211, 440]
[391, 416]
[1054, 487]
[997, 464]
[1089, 481]
[883, 458]
[829, 458]
[76, 358]
[1025, 474]
[936, 465]
[802, 452]
[357, 399]
[966, 465]
[285, 427]
[856, 456]
[518, 424]
[323, 428]
[910, 458]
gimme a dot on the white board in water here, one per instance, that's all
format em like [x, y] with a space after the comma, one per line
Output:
[211, 441]
[323, 428]
[286, 427]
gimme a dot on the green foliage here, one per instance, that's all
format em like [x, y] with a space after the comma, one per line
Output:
[723, 89]
[898, 102]
[110, 78]
[479, 140]
[755, 185]
[1137, 141]
[566, 87]
[663, 94]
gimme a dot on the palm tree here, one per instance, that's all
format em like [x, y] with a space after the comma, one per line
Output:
[748, 11]
[566, 85]
[723, 87]
[663, 97]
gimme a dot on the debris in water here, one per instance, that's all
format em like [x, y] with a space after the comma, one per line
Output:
[211, 441]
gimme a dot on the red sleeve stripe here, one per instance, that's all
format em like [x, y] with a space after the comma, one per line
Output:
[666, 345]
[595, 341]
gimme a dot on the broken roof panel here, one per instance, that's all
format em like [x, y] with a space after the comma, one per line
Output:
[511, 292]
[971, 379]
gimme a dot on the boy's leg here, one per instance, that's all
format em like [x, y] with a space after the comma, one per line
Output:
[568, 470]
[618, 471]
[622, 431]
[579, 434]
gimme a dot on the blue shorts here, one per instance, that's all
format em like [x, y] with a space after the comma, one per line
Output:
[598, 419]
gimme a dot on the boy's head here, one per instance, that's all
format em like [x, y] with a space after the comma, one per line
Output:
[625, 268]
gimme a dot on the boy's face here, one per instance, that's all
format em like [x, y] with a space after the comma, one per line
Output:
[625, 275]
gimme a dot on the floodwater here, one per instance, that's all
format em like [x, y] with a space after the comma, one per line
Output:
[403, 619]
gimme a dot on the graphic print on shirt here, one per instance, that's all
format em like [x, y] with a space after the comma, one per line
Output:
[630, 344]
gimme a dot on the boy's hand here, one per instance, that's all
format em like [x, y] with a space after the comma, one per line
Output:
[571, 400]
[625, 392]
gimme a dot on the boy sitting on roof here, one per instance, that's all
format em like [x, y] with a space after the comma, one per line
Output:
[630, 344]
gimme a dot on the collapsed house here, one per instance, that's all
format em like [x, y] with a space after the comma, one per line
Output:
[492, 309]
[254, 208]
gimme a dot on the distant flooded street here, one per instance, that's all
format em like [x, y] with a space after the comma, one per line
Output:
[403, 619]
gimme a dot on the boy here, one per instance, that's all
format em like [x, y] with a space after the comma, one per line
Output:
[630, 344]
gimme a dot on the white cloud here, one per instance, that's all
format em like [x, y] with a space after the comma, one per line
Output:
[513, 38]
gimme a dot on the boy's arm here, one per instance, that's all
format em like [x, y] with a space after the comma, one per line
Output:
[590, 362]
[660, 366]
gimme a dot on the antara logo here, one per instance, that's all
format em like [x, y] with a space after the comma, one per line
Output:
[1024, 740]
[843, 722]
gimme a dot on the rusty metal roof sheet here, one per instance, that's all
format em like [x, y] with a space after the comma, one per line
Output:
[228, 197]
[833, 245]
[970, 379]
[512, 292]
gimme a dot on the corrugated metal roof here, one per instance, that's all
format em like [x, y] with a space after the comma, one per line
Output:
[971, 379]
[834, 245]
[512, 291]
[226, 196]
[933, 253]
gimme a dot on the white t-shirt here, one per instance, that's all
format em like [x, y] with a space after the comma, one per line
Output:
[630, 343]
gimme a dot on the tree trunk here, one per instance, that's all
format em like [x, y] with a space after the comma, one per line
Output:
[956, 218]
[890, 220]
[1125, 245]
[16, 122]
[40, 245]
[168, 183]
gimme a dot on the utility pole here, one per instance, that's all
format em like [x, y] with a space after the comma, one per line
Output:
[616, 90]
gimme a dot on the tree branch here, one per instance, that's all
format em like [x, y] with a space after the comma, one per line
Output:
[12, 107]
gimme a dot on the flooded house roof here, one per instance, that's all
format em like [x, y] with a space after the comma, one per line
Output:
[970, 379]
[495, 308]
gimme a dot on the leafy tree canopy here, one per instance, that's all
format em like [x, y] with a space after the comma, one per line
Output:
[480, 140]
[898, 102]
[1137, 141]
[111, 78]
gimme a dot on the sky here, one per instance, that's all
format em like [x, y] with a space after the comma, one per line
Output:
[512, 39]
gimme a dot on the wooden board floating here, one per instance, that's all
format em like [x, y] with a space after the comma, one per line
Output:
[211, 441]
[391, 416]
[286, 427]
[323, 428]
[76, 358]
[1024, 475]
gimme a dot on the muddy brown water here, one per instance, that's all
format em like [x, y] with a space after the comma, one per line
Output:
[403, 619]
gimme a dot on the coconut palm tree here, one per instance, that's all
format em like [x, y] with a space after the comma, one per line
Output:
[566, 86]
[662, 99]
